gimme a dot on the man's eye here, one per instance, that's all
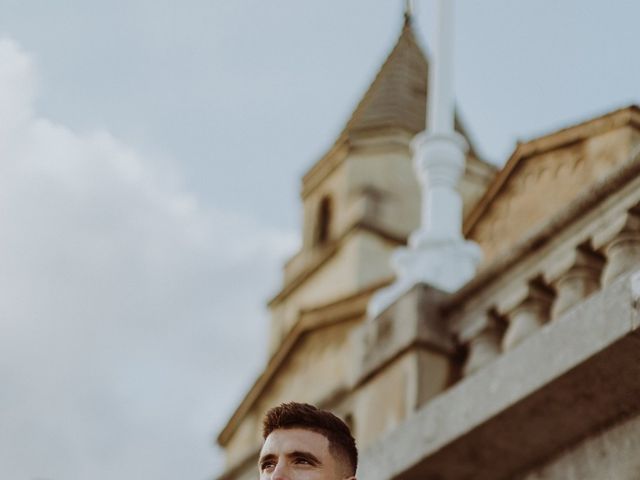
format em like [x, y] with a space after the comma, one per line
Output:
[303, 461]
[267, 465]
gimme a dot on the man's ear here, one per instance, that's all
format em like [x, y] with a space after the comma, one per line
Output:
[353, 477]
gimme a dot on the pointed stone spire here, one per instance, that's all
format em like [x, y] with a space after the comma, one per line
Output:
[437, 254]
[397, 95]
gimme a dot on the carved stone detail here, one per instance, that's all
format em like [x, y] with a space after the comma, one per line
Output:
[484, 346]
[621, 244]
[528, 315]
[575, 278]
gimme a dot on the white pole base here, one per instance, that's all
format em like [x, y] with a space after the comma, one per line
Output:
[446, 266]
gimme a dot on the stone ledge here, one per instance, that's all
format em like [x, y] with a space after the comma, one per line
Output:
[573, 377]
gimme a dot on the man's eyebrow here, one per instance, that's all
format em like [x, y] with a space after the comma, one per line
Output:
[307, 455]
[269, 456]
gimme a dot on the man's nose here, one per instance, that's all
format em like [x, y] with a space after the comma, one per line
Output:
[281, 472]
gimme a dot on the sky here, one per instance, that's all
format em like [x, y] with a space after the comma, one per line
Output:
[150, 163]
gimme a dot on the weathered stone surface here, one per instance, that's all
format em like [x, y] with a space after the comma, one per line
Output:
[610, 454]
[529, 315]
[406, 350]
[484, 346]
[621, 241]
[578, 278]
[414, 320]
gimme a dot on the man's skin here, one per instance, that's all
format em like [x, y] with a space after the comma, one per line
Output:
[299, 454]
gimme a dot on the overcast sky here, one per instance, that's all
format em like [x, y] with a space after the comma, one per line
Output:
[150, 156]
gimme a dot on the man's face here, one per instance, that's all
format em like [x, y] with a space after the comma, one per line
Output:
[298, 454]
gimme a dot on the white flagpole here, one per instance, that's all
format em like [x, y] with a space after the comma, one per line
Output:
[437, 254]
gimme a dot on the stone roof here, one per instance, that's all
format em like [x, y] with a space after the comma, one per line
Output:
[397, 96]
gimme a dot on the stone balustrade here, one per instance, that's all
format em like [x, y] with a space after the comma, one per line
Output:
[620, 241]
[555, 281]
[484, 345]
[526, 312]
[574, 278]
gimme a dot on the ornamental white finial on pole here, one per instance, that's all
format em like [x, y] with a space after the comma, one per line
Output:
[437, 253]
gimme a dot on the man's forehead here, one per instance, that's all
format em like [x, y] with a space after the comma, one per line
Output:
[284, 440]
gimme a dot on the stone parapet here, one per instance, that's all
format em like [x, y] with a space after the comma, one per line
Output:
[583, 248]
[558, 386]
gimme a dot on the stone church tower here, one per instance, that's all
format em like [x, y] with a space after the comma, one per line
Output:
[530, 370]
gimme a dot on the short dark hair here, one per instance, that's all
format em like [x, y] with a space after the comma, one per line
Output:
[308, 417]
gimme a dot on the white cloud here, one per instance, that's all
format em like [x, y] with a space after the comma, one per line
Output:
[130, 314]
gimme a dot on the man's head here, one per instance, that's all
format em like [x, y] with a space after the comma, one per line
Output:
[303, 442]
